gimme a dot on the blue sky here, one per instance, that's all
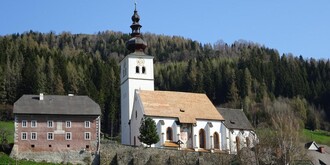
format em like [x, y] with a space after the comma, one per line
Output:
[300, 27]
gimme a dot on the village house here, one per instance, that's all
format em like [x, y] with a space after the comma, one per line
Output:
[316, 155]
[239, 131]
[46, 124]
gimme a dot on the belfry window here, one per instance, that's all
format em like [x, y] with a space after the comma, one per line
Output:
[143, 69]
[137, 69]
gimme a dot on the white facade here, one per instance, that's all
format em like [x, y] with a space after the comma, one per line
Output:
[137, 72]
[171, 130]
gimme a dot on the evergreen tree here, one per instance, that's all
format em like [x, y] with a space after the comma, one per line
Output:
[148, 131]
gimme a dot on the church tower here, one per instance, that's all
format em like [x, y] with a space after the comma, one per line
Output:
[136, 72]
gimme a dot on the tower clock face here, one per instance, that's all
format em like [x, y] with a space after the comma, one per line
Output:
[140, 62]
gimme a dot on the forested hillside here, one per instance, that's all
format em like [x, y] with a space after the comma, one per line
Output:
[243, 74]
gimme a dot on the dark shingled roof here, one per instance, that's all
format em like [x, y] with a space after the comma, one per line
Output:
[235, 119]
[56, 104]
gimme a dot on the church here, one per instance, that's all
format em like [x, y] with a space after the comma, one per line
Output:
[190, 118]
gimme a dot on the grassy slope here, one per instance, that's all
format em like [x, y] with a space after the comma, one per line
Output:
[320, 137]
[9, 126]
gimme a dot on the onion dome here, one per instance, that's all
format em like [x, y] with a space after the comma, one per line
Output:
[136, 43]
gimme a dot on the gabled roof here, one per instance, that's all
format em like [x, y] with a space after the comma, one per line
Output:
[56, 104]
[311, 146]
[235, 119]
[187, 107]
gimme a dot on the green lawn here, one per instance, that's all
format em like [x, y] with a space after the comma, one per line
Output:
[319, 136]
[9, 126]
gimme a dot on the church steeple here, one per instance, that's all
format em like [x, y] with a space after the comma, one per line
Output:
[136, 43]
[137, 73]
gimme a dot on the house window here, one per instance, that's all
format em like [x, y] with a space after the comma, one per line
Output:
[143, 69]
[33, 136]
[87, 136]
[32, 146]
[24, 123]
[87, 124]
[50, 124]
[68, 145]
[68, 124]
[68, 136]
[50, 136]
[137, 69]
[33, 123]
[24, 136]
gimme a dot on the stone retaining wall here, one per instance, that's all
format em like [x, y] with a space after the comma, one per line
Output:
[73, 157]
[116, 154]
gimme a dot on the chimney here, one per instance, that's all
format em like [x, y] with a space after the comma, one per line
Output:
[322, 150]
[41, 96]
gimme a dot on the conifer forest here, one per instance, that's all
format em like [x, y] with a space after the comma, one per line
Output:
[241, 75]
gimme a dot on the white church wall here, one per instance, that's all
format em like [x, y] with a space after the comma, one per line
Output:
[203, 124]
[215, 129]
[242, 135]
[161, 129]
[176, 132]
[224, 137]
[137, 115]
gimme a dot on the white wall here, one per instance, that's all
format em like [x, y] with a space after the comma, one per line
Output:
[242, 134]
[224, 137]
[202, 124]
[161, 129]
[130, 81]
[137, 115]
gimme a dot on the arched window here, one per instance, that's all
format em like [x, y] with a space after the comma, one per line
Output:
[216, 140]
[201, 138]
[169, 134]
[143, 69]
[137, 69]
